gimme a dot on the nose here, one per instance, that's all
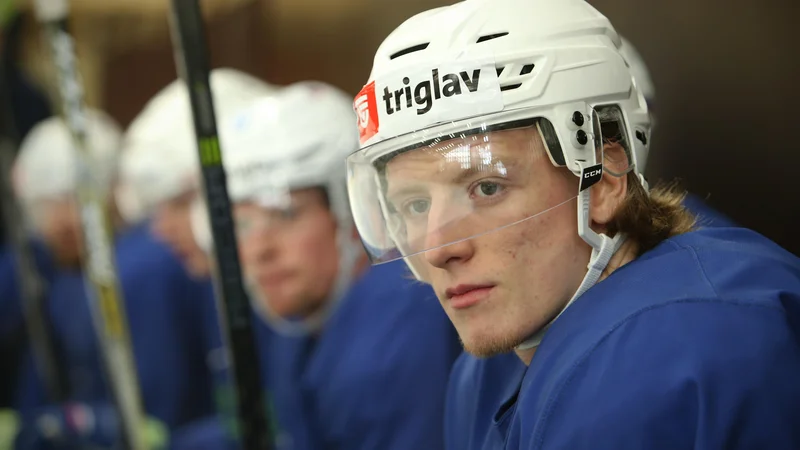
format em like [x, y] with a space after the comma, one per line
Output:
[258, 247]
[445, 241]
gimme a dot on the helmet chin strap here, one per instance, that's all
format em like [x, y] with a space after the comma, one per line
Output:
[603, 249]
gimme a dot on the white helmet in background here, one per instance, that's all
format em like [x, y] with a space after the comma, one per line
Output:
[159, 159]
[447, 83]
[298, 138]
[47, 165]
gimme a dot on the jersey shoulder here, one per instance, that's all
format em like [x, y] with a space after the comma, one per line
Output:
[390, 339]
[702, 329]
[386, 312]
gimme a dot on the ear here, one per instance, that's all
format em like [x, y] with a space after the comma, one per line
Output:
[608, 194]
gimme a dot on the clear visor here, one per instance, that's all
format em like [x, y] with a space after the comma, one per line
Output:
[453, 187]
[274, 209]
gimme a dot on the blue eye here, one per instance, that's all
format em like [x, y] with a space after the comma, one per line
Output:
[487, 189]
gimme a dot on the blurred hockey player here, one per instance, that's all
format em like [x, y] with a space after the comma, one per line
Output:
[174, 383]
[159, 183]
[502, 148]
[360, 357]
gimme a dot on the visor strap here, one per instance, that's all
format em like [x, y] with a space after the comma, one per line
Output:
[597, 264]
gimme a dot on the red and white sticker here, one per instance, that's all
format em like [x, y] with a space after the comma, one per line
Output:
[367, 112]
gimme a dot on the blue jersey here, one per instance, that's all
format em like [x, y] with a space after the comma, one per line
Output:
[482, 389]
[478, 397]
[694, 345]
[13, 334]
[166, 328]
[375, 378]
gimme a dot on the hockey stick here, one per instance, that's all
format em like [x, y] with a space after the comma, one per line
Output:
[233, 305]
[32, 287]
[107, 304]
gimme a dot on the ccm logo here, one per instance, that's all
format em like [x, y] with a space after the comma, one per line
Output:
[592, 173]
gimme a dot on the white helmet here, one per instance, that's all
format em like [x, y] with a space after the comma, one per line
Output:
[296, 139]
[159, 158]
[47, 165]
[447, 88]
[641, 75]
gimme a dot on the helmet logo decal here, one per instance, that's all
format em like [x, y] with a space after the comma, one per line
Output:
[590, 176]
[450, 86]
[367, 112]
[416, 97]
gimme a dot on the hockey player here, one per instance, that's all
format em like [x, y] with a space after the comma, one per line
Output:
[160, 180]
[471, 412]
[175, 386]
[502, 144]
[160, 169]
[361, 356]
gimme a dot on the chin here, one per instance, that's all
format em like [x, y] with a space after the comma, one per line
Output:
[488, 342]
[283, 308]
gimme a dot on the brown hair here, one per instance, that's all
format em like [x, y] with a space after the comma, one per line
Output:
[650, 219]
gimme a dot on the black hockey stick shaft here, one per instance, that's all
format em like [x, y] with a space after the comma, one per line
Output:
[191, 58]
[32, 287]
[107, 303]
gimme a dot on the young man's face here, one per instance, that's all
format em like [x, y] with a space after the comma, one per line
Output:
[508, 282]
[290, 255]
[172, 225]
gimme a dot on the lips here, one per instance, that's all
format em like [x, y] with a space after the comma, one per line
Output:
[465, 295]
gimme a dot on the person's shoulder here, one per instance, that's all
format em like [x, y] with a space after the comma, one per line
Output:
[139, 252]
[729, 265]
[742, 264]
[666, 368]
[390, 324]
[700, 285]
[713, 313]
[389, 303]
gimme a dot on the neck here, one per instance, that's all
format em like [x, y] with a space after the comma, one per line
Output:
[626, 253]
[526, 355]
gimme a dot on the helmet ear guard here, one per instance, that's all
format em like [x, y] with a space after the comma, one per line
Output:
[575, 142]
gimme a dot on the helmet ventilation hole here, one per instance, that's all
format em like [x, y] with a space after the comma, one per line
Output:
[526, 69]
[489, 37]
[408, 50]
[509, 87]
